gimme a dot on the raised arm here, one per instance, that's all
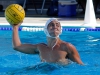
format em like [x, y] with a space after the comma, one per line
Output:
[17, 45]
[73, 54]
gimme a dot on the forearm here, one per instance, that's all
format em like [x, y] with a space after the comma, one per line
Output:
[15, 37]
[79, 61]
[17, 45]
[27, 48]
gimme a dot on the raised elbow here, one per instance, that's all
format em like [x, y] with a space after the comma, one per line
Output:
[15, 48]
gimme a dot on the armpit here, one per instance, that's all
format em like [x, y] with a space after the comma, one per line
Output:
[44, 44]
[36, 52]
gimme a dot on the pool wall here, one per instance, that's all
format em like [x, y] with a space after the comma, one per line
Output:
[37, 24]
[41, 28]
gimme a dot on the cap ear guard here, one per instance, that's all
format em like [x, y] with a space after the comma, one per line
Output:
[46, 25]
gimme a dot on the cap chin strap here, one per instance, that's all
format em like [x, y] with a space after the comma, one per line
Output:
[52, 37]
[48, 35]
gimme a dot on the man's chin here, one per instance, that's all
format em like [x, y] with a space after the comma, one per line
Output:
[54, 35]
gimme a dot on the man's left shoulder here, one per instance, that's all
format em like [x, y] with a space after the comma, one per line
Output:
[66, 43]
[68, 46]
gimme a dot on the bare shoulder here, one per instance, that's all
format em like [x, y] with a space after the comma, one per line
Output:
[41, 45]
[68, 46]
[34, 46]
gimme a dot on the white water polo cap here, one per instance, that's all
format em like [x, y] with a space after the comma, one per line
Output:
[46, 25]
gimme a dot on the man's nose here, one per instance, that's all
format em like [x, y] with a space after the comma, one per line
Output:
[54, 26]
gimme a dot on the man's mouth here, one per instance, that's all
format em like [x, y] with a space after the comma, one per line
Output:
[55, 29]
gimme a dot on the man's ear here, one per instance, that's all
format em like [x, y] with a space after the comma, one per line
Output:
[60, 24]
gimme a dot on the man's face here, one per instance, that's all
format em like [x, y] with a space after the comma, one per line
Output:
[54, 28]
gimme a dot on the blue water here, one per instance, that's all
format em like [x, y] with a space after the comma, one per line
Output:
[16, 63]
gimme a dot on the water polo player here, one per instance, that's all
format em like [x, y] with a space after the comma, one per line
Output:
[56, 50]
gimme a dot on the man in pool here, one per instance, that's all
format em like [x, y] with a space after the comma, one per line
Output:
[56, 50]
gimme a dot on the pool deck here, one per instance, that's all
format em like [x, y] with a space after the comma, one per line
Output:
[40, 21]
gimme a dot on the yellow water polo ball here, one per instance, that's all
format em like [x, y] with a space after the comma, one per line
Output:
[14, 13]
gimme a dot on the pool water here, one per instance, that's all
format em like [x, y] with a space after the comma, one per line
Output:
[16, 63]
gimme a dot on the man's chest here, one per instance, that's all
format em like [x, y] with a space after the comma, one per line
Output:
[52, 54]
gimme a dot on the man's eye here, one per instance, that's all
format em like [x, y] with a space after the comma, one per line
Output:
[58, 24]
[52, 24]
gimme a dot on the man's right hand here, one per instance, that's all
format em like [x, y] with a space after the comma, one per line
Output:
[14, 25]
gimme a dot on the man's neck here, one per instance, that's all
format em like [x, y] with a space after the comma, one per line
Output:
[52, 41]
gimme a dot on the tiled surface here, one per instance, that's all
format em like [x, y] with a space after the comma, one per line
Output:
[40, 21]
